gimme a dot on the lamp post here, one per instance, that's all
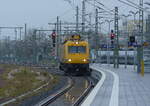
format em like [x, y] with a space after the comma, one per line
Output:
[109, 22]
[134, 14]
[100, 23]
[126, 25]
[99, 55]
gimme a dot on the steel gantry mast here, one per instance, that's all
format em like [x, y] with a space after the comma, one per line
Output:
[141, 21]
[141, 36]
[116, 43]
[96, 33]
[96, 22]
[83, 16]
[77, 19]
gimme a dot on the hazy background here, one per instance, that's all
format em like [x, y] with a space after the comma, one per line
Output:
[37, 13]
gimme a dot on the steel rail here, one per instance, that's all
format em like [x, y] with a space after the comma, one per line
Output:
[85, 93]
[53, 97]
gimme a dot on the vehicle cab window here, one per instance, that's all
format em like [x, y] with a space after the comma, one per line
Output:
[77, 49]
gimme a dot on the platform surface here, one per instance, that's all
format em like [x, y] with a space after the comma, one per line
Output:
[134, 90]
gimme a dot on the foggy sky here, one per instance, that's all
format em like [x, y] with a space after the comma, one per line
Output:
[32, 12]
[37, 13]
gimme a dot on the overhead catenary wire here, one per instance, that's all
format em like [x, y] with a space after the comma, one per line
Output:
[110, 12]
[134, 4]
[131, 4]
[128, 4]
[104, 8]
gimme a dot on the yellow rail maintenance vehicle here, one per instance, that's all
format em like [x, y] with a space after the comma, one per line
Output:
[75, 55]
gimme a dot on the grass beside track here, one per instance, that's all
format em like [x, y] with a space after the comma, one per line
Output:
[18, 80]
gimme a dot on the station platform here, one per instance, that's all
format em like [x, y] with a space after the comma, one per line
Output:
[120, 87]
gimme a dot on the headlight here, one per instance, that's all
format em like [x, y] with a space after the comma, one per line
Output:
[77, 42]
[69, 60]
[84, 60]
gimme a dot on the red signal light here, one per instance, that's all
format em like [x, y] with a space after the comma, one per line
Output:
[53, 35]
[112, 36]
[53, 38]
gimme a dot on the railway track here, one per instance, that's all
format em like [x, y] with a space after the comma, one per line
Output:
[70, 91]
[71, 95]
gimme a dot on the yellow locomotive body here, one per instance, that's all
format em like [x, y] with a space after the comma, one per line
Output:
[74, 57]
